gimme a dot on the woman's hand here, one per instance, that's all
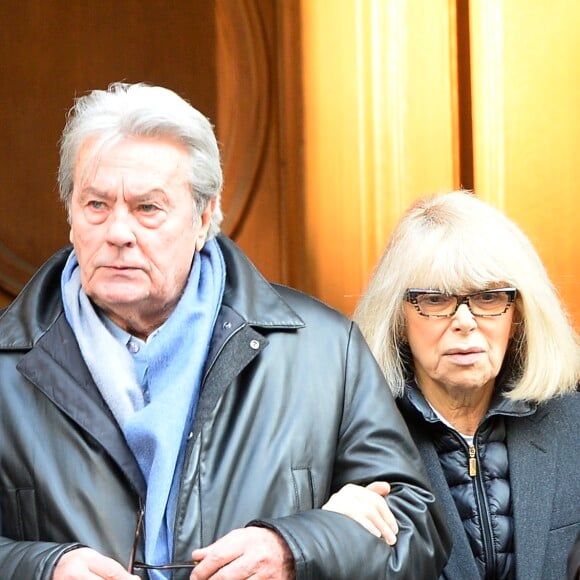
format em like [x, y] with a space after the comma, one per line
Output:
[367, 506]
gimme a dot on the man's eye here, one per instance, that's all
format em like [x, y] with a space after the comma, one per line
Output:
[148, 208]
[96, 204]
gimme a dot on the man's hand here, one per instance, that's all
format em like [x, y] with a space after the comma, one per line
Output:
[88, 564]
[366, 505]
[253, 552]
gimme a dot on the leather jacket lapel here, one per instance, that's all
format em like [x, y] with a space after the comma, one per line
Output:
[75, 393]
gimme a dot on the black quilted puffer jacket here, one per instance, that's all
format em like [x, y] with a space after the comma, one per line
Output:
[543, 500]
[478, 477]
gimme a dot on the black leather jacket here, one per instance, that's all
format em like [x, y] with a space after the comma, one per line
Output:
[293, 406]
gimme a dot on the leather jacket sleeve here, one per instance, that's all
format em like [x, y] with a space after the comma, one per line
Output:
[30, 559]
[374, 444]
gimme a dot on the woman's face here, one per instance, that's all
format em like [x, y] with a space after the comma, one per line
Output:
[458, 354]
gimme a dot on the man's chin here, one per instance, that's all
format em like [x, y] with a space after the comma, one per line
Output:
[119, 296]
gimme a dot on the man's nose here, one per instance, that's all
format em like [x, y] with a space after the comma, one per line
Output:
[120, 231]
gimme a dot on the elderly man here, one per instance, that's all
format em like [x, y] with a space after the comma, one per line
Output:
[165, 410]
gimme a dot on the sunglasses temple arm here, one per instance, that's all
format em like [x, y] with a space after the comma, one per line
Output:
[133, 556]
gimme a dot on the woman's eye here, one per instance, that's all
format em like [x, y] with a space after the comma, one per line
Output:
[488, 298]
[435, 299]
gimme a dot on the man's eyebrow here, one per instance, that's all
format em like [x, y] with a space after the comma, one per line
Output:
[90, 190]
[155, 194]
[141, 196]
[156, 191]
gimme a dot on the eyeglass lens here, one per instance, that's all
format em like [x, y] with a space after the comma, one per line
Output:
[486, 303]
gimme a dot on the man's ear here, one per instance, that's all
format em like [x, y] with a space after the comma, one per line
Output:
[205, 221]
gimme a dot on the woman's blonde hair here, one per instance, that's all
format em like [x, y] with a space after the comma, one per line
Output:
[457, 243]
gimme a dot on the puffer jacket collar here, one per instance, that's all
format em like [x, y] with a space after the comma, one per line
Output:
[500, 405]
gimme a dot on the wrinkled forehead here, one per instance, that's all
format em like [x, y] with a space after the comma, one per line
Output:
[89, 152]
[144, 162]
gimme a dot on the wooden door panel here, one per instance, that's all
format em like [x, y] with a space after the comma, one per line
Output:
[526, 95]
[221, 55]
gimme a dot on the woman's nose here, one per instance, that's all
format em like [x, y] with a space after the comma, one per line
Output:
[463, 319]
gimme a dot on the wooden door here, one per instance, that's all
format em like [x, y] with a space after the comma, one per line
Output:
[405, 98]
[329, 126]
[222, 55]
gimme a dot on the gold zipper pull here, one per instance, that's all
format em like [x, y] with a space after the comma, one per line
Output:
[472, 462]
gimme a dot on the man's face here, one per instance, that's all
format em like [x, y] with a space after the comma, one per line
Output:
[134, 228]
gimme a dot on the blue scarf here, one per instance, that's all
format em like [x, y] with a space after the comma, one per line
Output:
[156, 432]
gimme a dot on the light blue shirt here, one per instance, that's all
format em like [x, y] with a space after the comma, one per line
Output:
[138, 349]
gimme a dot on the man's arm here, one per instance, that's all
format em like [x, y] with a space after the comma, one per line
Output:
[30, 559]
[374, 445]
[51, 561]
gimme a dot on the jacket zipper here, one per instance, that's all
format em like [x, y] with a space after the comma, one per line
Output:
[472, 462]
[481, 499]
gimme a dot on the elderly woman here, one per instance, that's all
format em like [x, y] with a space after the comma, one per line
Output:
[469, 331]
